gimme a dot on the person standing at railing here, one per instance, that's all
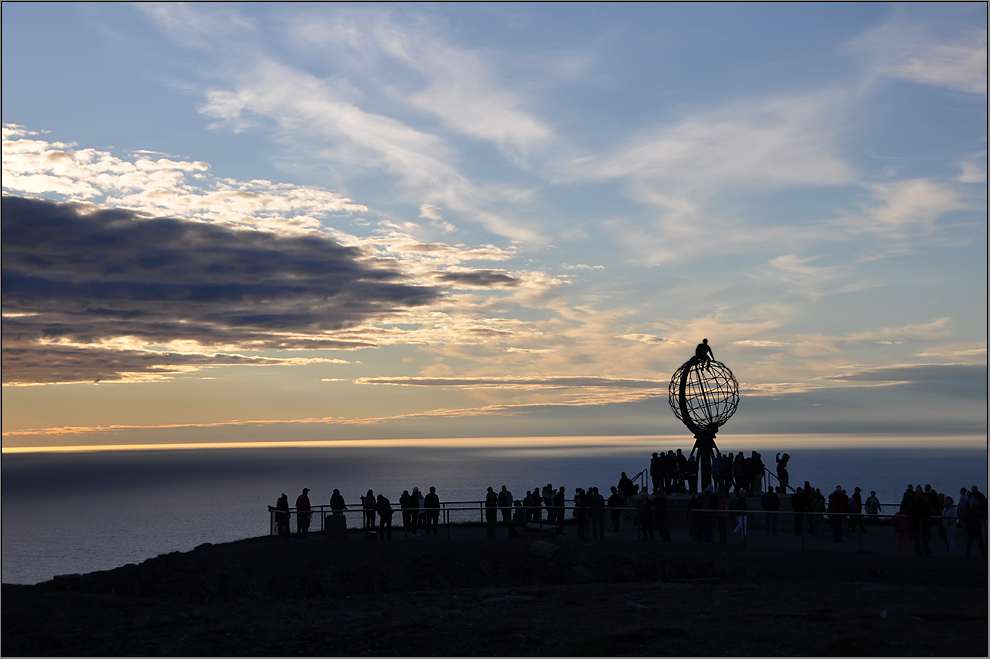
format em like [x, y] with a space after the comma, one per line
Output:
[547, 497]
[656, 472]
[282, 516]
[368, 504]
[758, 469]
[797, 505]
[597, 503]
[741, 507]
[491, 512]
[644, 516]
[615, 505]
[692, 473]
[717, 471]
[771, 504]
[873, 507]
[505, 505]
[837, 508]
[558, 507]
[856, 506]
[432, 505]
[337, 504]
[414, 512]
[949, 520]
[737, 473]
[407, 518]
[975, 518]
[384, 508]
[782, 475]
[303, 512]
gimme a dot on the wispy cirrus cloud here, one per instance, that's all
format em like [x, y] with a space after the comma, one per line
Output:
[334, 120]
[919, 52]
[458, 85]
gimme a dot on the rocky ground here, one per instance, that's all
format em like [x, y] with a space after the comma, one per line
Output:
[539, 595]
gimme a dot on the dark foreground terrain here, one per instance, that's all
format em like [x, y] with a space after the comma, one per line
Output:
[533, 596]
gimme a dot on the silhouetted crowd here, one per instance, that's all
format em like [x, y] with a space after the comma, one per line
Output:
[676, 473]
[735, 479]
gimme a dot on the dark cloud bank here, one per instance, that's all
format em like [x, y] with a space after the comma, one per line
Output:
[71, 276]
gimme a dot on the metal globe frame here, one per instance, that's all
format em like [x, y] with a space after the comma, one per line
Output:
[704, 394]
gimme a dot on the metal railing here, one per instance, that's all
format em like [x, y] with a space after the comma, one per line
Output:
[701, 524]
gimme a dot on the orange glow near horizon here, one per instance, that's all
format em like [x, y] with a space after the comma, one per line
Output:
[603, 442]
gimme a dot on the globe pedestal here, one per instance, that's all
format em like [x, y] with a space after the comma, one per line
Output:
[704, 394]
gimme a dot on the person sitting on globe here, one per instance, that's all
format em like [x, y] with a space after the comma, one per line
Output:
[703, 353]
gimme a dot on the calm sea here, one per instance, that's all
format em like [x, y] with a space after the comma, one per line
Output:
[79, 512]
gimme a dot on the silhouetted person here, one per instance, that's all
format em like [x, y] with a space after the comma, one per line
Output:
[838, 506]
[580, 511]
[368, 504]
[656, 472]
[432, 505]
[704, 353]
[303, 512]
[558, 507]
[518, 519]
[873, 507]
[491, 511]
[337, 504]
[615, 505]
[644, 516]
[404, 507]
[771, 503]
[856, 506]
[548, 493]
[692, 473]
[414, 512]
[782, 475]
[625, 485]
[505, 505]
[797, 505]
[974, 517]
[384, 509]
[597, 504]
[741, 508]
[680, 471]
[282, 516]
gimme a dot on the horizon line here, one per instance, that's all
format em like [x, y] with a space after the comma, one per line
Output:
[845, 440]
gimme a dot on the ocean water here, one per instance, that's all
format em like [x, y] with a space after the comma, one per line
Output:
[79, 512]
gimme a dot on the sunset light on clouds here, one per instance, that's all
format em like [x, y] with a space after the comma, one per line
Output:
[262, 222]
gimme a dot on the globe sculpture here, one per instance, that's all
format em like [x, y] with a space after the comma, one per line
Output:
[704, 394]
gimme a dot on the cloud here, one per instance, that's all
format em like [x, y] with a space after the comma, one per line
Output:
[314, 118]
[76, 280]
[161, 186]
[517, 382]
[679, 169]
[645, 338]
[932, 374]
[914, 51]
[477, 278]
[901, 208]
[431, 212]
[457, 85]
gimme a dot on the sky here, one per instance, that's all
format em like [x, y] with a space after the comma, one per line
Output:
[312, 222]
